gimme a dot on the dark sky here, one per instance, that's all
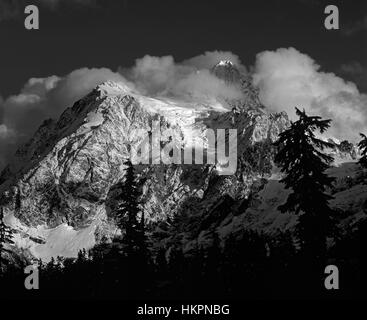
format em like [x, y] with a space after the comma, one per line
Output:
[115, 33]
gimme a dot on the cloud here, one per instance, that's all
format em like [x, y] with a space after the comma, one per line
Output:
[203, 84]
[288, 78]
[41, 99]
[162, 76]
[152, 75]
[79, 83]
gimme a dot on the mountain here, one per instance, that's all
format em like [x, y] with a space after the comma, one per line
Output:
[57, 193]
[231, 75]
[227, 71]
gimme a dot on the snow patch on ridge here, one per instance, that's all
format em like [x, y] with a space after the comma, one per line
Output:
[45, 243]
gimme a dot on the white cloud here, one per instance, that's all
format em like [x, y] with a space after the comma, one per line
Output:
[289, 79]
[159, 76]
[152, 75]
[202, 85]
[43, 98]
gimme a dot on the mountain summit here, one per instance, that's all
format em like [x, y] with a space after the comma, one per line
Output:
[227, 71]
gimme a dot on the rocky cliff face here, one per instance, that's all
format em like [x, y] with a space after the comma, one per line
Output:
[57, 192]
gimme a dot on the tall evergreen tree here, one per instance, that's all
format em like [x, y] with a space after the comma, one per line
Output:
[6, 237]
[363, 147]
[127, 211]
[303, 162]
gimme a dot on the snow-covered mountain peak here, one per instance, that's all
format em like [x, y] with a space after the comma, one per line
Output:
[112, 88]
[225, 63]
[227, 71]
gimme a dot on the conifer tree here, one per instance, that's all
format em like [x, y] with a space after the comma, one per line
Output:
[127, 211]
[6, 237]
[363, 147]
[300, 155]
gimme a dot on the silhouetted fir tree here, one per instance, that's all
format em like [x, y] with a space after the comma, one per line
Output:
[303, 162]
[135, 247]
[6, 237]
[127, 212]
[363, 147]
